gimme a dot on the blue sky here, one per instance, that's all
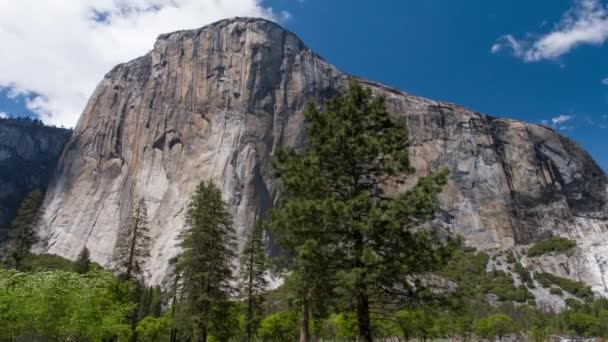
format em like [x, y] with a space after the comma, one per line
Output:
[443, 50]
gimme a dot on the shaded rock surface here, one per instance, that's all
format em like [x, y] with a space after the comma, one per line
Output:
[214, 103]
[29, 152]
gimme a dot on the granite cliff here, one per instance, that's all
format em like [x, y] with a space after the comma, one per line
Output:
[29, 152]
[214, 103]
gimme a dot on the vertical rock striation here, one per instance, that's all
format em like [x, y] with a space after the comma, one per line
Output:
[214, 103]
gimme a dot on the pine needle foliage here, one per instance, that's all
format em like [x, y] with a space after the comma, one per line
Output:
[205, 265]
[133, 244]
[253, 282]
[335, 209]
[82, 264]
[23, 228]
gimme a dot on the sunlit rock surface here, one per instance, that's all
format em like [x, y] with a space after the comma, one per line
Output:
[214, 103]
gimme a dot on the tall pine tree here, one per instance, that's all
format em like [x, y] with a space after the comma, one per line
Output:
[253, 281]
[205, 265]
[82, 264]
[334, 207]
[23, 228]
[133, 244]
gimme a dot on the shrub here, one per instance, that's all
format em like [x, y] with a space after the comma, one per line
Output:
[555, 244]
[496, 325]
[575, 288]
[556, 291]
[152, 329]
[62, 306]
[511, 257]
[280, 326]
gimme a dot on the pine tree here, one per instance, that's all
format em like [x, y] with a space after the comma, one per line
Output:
[334, 208]
[133, 244]
[23, 228]
[253, 281]
[83, 262]
[205, 265]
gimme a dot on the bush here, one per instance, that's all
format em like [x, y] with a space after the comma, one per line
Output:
[152, 329]
[496, 325]
[575, 288]
[556, 244]
[278, 327]
[511, 257]
[63, 306]
[556, 291]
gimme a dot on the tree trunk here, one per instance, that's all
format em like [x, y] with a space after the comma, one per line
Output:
[365, 326]
[250, 303]
[304, 322]
[203, 333]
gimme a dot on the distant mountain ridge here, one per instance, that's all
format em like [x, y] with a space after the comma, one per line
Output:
[29, 152]
[214, 103]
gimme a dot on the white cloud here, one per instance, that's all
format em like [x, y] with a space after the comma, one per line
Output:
[3, 115]
[55, 52]
[605, 81]
[585, 23]
[561, 119]
[559, 122]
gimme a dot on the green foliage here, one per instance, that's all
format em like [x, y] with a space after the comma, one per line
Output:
[555, 244]
[279, 327]
[496, 325]
[345, 325]
[524, 275]
[83, 262]
[133, 244]
[335, 214]
[204, 265]
[573, 287]
[581, 323]
[149, 302]
[556, 291]
[253, 281]
[511, 257]
[23, 233]
[468, 269]
[225, 323]
[501, 284]
[62, 305]
[154, 329]
[47, 262]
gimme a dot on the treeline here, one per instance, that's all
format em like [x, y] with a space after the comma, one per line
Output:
[358, 263]
[27, 121]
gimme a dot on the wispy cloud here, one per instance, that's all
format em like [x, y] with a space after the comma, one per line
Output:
[54, 52]
[585, 23]
[559, 122]
[605, 81]
[561, 119]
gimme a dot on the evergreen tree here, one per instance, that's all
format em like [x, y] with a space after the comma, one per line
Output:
[334, 207]
[23, 228]
[253, 282]
[133, 244]
[205, 265]
[83, 262]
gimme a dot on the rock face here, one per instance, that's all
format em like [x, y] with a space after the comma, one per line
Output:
[214, 103]
[29, 152]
